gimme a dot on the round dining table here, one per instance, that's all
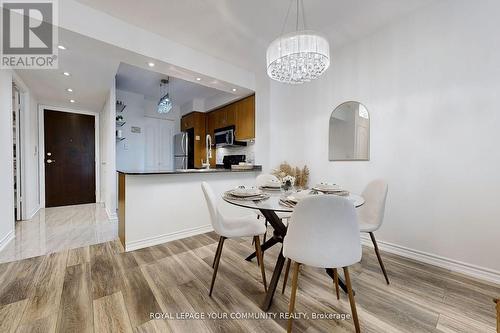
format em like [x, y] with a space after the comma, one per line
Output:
[269, 208]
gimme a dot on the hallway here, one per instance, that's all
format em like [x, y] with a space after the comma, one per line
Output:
[60, 228]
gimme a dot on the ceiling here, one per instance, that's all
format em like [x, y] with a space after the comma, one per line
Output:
[238, 31]
[147, 83]
[93, 66]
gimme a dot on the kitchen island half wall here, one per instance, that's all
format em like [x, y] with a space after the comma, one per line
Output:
[155, 207]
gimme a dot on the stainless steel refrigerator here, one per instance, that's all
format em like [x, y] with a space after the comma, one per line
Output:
[181, 150]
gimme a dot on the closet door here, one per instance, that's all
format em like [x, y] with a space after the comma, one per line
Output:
[158, 140]
[151, 144]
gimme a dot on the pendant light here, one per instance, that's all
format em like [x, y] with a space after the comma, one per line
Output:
[165, 103]
[299, 56]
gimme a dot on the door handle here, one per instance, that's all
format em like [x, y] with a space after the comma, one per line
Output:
[50, 161]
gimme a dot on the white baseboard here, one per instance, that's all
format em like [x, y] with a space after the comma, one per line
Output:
[112, 216]
[139, 244]
[7, 238]
[483, 273]
[32, 213]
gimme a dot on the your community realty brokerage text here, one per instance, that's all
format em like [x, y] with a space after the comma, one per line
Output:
[246, 316]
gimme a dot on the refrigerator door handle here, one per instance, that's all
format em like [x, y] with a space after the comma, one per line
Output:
[184, 143]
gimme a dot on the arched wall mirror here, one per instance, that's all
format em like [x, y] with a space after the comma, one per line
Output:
[349, 137]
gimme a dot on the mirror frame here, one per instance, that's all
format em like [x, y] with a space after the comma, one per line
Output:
[369, 135]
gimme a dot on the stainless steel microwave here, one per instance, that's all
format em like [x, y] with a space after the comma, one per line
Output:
[224, 137]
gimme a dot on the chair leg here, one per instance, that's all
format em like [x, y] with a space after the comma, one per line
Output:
[260, 260]
[372, 236]
[287, 270]
[291, 307]
[216, 263]
[351, 300]
[265, 235]
[336, 282]
[216, 252]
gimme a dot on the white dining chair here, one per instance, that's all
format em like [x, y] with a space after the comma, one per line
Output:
[323, 232]
[263, 180]
[234, 227]
[371, 214]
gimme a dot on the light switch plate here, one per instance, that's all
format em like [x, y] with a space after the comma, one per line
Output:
[197, 138]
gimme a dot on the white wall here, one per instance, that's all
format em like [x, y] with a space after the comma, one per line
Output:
[108, 153]
[431, 83]
[6, 159]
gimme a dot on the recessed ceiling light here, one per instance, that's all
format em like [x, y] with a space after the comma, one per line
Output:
[198, 79]
[66, 74]
[61, 47]
[69, 90]
[234, 89]
[72, 101]
[151, 64]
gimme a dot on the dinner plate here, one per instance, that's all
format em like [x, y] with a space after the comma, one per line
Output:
[297, 196]
[246, 192]
[327, 187]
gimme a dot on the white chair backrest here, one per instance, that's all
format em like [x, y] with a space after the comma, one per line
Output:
[215, 217]
[323, 232]
[264, 179]
[375, 195]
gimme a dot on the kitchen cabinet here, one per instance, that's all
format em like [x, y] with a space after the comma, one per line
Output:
[245, 118]
[240, 114]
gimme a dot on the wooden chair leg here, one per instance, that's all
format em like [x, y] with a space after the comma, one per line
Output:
[351, 300]
[265, 235]
[336, 282]
[216, 253]
[291, 307]
[260, 260]
[497, 301]
[216, 263]
[287, 270]
[372, 236]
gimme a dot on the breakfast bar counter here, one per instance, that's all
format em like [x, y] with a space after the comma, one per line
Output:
[158, 206]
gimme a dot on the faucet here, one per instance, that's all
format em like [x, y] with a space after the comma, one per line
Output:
[208, 149]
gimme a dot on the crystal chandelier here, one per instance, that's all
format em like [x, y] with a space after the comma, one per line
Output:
[299, 56]
[165, 103]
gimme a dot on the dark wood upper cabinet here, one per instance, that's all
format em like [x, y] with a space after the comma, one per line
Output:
[240, 114]
[245, 119]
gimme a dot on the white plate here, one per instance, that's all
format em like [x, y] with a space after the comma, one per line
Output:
[246, 192]
[327, 187]
[296, 197]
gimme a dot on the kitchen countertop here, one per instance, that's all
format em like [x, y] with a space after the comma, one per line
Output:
[187, 171]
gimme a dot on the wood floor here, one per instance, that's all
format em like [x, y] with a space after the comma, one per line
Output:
[99, 288]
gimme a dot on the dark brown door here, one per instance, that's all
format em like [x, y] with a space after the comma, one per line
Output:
[69, 158]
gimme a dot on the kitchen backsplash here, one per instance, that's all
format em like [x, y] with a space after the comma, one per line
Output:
[239, 150]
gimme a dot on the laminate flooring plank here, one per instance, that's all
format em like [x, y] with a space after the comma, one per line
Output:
[75, 312]
[139, 298]
[18, 280]
[10, 315]
[110, 315]
[105, 277]
[45, 296]
[78, 256]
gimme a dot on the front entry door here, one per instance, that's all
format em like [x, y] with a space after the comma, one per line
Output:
[69, 158]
